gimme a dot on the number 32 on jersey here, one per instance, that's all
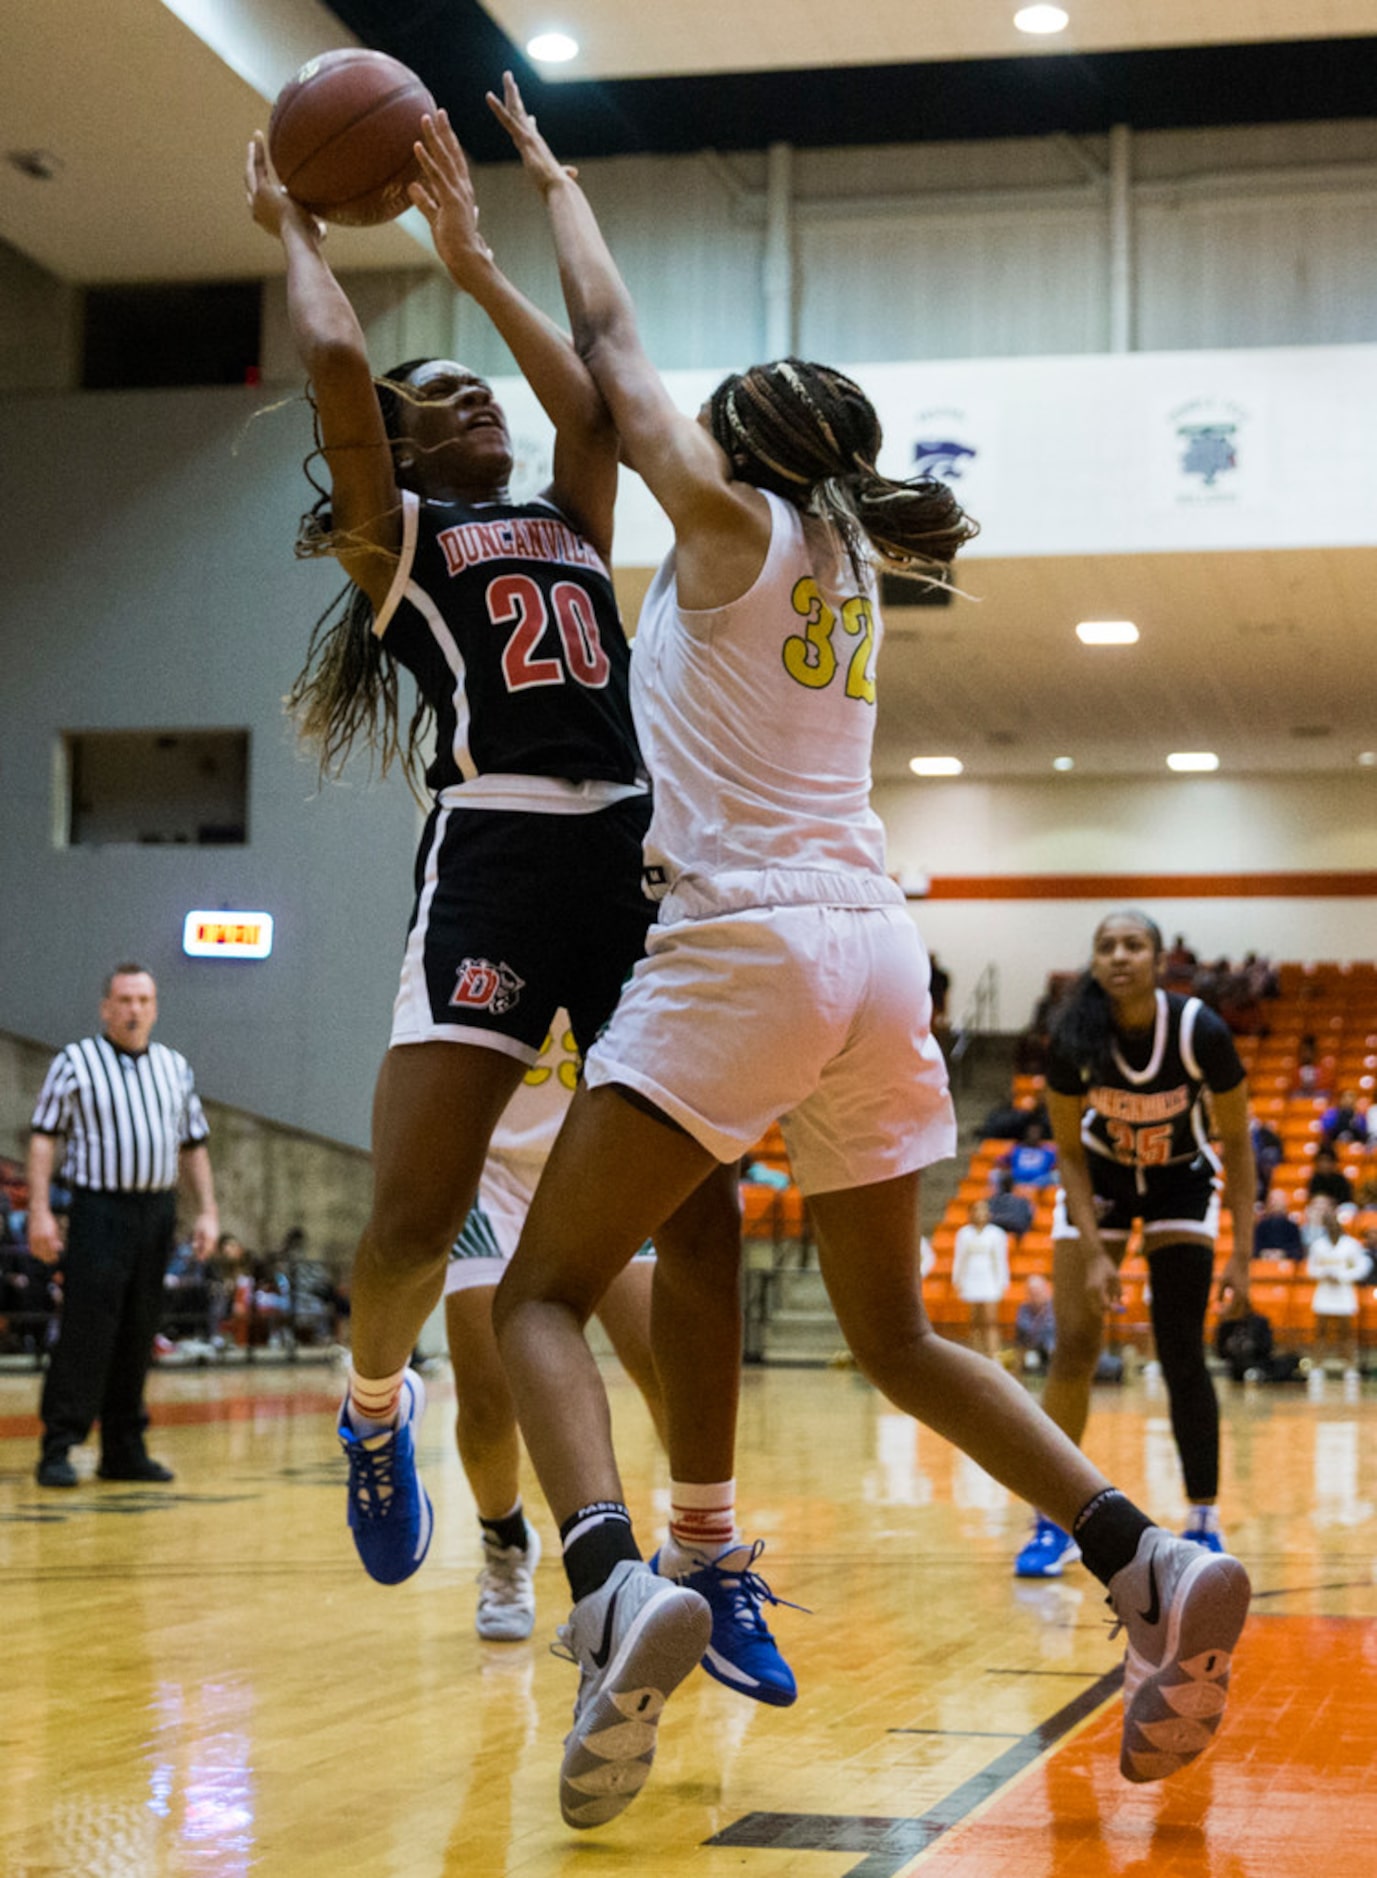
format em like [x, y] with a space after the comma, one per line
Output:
[814, 656]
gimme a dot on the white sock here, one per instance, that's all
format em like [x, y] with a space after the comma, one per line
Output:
[373, 1402]
[1203, 1519]
[702, 1524]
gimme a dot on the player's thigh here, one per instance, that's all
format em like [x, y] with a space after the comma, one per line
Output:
[433, 1114]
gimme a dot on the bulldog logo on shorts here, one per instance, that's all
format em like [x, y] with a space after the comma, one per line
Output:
[483, 986]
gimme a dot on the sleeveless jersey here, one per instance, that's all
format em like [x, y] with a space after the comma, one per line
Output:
[1154, 1115]
[506, 618]
[757, 721]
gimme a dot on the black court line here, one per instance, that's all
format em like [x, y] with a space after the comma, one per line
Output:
[888, 1845]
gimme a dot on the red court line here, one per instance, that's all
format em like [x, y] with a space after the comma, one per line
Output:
[1287, 1788]
[234, 1408]
[1353, 883]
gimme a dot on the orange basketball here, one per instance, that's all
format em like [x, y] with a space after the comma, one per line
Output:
[341, 135]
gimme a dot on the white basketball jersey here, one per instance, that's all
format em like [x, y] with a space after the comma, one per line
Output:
[756, 721]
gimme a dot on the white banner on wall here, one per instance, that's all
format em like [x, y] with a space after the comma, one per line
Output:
[1165, 452]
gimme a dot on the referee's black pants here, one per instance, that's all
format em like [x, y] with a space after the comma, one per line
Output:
[118, 1246]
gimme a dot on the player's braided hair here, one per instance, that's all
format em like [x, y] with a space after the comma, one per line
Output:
[347, 689]
[1083, 1024]
[809, 434]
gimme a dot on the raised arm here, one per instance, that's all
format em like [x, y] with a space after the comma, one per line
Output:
[365, 504]
[585, 468]
[722, 528]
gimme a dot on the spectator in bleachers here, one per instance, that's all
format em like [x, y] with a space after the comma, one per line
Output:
[1269, 1151]
[1329, 1181]
[1007, 1120]
[1035, 1324]
[1011, 1211]
[1308, 1066]
[1261, 974]
[1032, 1161]
[980, 1275]
[1344, 1120]
[1277, 1235]
[1339, 1264]
[1178, 965]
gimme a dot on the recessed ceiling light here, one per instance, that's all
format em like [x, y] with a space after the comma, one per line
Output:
[1042, 19]
[1107, 632]
[1063, 762]
[553, 48]
[936, 765]
[1193, 759]
[1367, 758]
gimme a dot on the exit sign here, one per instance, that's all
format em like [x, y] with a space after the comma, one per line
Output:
[227, 935]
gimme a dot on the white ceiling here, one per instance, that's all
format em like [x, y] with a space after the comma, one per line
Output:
[629, 39]
[147, 105]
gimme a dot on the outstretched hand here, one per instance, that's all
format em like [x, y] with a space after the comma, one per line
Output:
[269, 204]
[540, 161]
[444, 195]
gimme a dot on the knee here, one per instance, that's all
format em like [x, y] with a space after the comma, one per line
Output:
[1077, 1347]
[407, 1240]
[890, 1360]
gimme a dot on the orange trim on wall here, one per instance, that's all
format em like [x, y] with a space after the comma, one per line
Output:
[1355, 885]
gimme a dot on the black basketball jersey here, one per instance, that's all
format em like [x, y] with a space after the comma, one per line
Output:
[506, 618]
[1151, 1113]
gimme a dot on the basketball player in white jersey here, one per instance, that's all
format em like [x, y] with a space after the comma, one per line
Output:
[785, 979]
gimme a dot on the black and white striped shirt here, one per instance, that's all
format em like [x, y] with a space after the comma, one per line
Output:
[126, 1118]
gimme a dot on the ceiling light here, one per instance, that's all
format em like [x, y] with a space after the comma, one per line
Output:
[553, 48]
[1193, 759]
[1041, 19]
[1107, 632]
[1367, 758]
[936, 765]
[1063, 762]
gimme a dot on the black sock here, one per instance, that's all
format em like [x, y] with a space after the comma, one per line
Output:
[1107, 1530]
[508, 1531]
[596, 1539]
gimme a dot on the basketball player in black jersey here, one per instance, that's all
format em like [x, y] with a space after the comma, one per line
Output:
[1127, 1078]
[528, 879]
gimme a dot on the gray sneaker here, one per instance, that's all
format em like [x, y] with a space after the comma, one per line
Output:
[1183, 1608]
[506, 1590]
[634, 1640]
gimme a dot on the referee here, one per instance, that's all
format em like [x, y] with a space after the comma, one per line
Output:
[132, 1121]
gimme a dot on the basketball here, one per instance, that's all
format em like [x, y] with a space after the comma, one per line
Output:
[341, 135]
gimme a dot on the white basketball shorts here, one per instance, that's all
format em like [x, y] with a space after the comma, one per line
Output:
[815, 1016]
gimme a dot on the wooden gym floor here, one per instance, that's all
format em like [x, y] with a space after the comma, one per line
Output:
[200, 1680]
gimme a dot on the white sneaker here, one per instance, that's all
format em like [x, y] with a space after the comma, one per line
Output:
[506, 1590]
[634, 1640]
[1183, 1608]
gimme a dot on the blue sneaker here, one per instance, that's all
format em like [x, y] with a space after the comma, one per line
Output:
[1208, 1536]
[741, 1653]
[1047, 1553]
[390, 1514]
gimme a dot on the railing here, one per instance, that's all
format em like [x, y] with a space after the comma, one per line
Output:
[980, 1015]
